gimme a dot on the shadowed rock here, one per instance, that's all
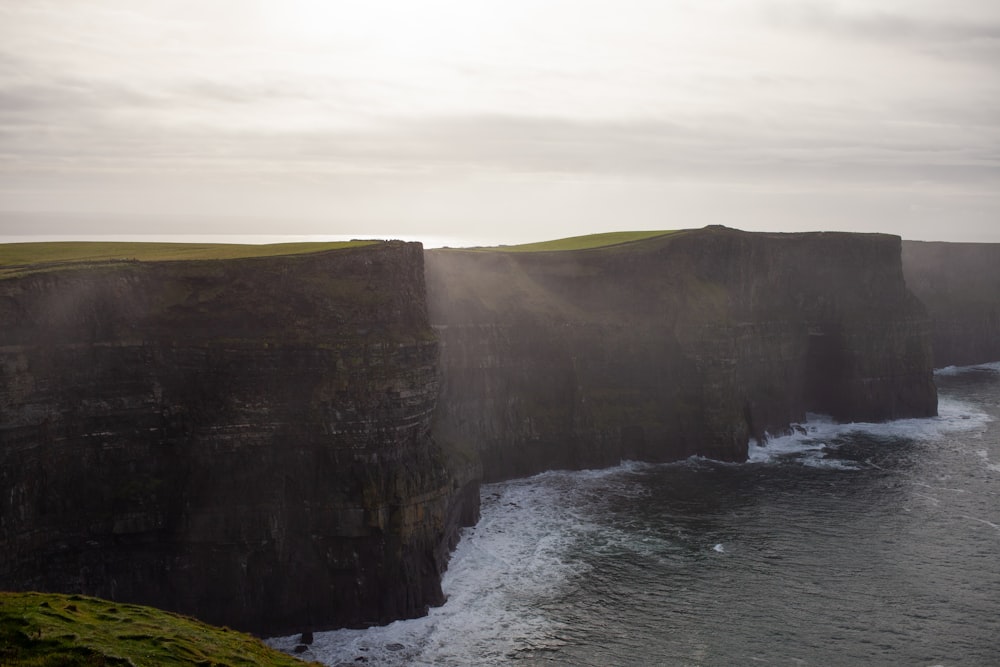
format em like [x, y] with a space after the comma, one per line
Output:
[285, 444]
[246, 441]
[686, 344]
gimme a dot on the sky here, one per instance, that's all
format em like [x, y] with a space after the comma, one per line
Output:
[498, 121]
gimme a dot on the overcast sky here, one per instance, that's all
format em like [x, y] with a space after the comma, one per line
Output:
[499, 120]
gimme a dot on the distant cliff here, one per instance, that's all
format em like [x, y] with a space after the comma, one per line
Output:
[685, 344]
[246, 441]
[960, 285]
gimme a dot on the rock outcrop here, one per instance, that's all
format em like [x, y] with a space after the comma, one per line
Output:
[686, 344]
[246, 441]
[960, 285]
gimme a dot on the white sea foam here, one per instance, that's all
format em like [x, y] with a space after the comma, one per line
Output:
[985, 456]
[815, 442]
[949, 371]
[502, 571]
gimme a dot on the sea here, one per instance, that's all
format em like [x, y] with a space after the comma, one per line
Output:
[842, 544]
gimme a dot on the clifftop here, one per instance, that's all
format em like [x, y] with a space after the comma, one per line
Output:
[18, 259]
[586, 242]
[684, 273]
[316, 298]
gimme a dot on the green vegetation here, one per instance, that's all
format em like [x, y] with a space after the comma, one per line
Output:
[45, 630]
[578, 242]
[20, 258]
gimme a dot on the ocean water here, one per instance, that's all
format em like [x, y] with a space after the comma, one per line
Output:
[859, 544]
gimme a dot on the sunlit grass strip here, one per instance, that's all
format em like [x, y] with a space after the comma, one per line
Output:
[50, 629]
[586, 242]
[21, 254]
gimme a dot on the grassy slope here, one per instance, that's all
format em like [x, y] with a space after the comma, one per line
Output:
[578, 242]
[19, 258]
[46, 629]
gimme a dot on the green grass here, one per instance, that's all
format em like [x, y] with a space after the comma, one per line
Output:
[578, 242]
[45, 630]
[20, 258]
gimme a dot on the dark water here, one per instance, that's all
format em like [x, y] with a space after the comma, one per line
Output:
[849, 545]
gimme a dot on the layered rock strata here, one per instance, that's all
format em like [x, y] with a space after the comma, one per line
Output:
[286, 443]
[246, 441]
[691, 343]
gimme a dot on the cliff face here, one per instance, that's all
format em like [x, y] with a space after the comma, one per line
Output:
[246, 441]
[685, 344]
[960, 285]
[286, 443]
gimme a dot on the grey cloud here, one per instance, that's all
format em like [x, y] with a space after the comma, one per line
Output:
[60, 97]
[719, 148]
[207, 91]
[979, 112]
[66, 98]
[32, 96]
[978, 40]
[725, 145]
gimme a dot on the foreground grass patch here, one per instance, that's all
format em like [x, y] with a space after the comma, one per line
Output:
[16, 258]
[579, 242]
[45, 629]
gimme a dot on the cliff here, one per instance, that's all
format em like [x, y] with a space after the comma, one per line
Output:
[960, 285]
[246, 441]
[289, 443]
[689, 343]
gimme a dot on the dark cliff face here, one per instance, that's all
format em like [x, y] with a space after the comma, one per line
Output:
[246, 441]
[686, 344]
[960, 285]
[286, 443]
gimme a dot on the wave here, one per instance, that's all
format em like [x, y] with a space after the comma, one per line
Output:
[951, 371]
[518, 555]
[815, 442]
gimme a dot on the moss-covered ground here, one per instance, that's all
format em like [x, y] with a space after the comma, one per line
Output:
[578, 242]
[46, 630]
[20, 258]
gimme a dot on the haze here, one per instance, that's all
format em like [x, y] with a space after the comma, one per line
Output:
[498, 121]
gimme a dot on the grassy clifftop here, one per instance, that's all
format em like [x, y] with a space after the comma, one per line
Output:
[581, 279]
[587, 242]
[46, 629]
[20, 258]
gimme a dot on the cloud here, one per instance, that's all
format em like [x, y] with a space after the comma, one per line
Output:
[974, 39]
[112, 105]
[722, 148]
